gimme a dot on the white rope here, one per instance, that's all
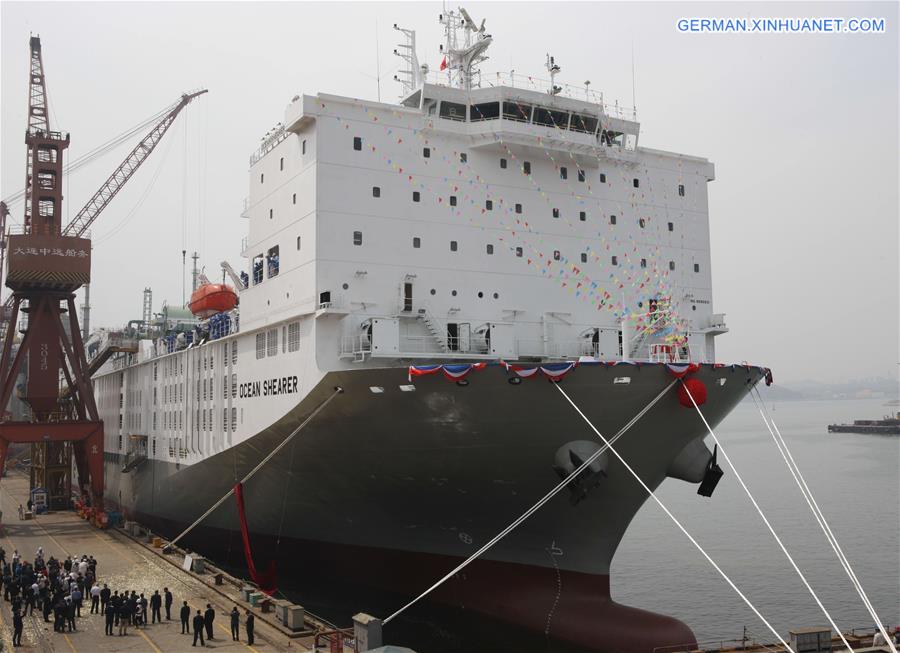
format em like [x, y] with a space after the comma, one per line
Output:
[765, 520]
[677, 523]
[816, 511]
[552, 493]
[253, 471]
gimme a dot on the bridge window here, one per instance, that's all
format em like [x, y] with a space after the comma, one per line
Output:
[550, 118]
[453, 111]
[485, 111]
[517, 111]
[585, 124]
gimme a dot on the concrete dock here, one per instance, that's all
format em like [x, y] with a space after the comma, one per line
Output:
[125, 563]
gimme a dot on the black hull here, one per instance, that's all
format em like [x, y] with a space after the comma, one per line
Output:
[389, 491]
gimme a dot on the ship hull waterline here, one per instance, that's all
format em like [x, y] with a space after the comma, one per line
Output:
[391, 490]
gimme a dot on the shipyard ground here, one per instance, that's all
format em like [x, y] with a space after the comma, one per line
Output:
[124, 563]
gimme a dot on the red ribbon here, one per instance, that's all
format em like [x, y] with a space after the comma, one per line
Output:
[265, 580]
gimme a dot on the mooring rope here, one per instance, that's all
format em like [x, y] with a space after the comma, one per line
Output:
[534, 508]
[762, 515]
[788, 458]
[253, 471]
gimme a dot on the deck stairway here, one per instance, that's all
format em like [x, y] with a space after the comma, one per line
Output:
[434, 328]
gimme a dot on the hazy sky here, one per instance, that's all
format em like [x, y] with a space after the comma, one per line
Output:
[803, 130]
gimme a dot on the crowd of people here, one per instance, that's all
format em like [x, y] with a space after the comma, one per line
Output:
[62, 588]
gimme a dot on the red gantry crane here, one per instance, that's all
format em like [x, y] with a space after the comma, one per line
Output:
[46, 264]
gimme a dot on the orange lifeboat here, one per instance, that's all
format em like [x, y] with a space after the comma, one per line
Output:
[212, 298]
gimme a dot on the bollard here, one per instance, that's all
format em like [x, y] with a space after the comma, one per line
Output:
[246, 591]
[366, 632]
[220, 578]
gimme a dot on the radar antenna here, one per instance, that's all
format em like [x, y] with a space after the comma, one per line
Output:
[554, 69]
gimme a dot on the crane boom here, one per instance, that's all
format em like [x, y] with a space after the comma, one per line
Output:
[120, 176]
[38, 120]
[235, 279]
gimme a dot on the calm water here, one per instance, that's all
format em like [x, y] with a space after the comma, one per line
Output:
[855, 481]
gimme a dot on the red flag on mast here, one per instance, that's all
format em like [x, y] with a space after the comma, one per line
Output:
[444, 62]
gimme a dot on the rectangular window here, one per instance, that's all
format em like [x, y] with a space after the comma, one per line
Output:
[518, 208]
[582, 216]
[376, 191]
[303, 147]
[489, 205]
[453, 246]
[453, 200]
[643, 262]
[503, 163]
[681, 190]
[615, 260]
[636, 183]
[490, 248]
[519, 252]
[260, 345]
[602, 177]
[642, 223]
[583, 257]
[485, 111]
[357, 238]
[555, 213]
[453, 111]
[671, 226]
[696, 267]
[262, 177]
[417, 242]
[272, 342]
[294, 198]
[556, 255]
[516, 111]
[272, 262]
[426, 152]
[357, 143]
[293, 336]
[563, 173]
[671, 265]
[612, 219]
[584, 124]
[550, 118]
[581, 175]
[463, 157]
[281, 164]
[257, 269]
[526, 167]
[298, 243]
[417, 197]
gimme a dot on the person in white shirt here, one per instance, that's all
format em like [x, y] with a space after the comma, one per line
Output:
[95, 599]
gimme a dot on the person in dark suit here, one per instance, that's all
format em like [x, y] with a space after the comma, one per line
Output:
[198, 629]
[248, 624]
[185, 615]
[208, 617]
[155, 605]
[18, 625]
[110, 616]
[168, 601]
[235, 624]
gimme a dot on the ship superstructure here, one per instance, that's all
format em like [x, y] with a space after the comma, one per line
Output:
[515, 221]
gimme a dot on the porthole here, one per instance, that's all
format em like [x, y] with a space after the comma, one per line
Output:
[345, 286]
[433, 291]
[453, 293]
[496, 295]
[480, 295]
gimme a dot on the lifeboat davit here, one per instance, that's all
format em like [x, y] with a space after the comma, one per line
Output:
[212, 298]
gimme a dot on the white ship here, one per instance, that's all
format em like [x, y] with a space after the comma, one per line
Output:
[485, 218]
